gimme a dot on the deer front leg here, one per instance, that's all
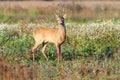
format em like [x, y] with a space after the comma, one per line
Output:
[59, 54]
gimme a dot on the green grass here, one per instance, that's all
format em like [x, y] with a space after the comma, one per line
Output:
[91, 51]
[96, 39]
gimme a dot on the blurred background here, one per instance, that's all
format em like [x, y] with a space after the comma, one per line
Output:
[12, 11]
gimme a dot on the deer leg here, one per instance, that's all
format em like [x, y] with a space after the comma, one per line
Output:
[43, 50]
[34, 47]
[59, 54]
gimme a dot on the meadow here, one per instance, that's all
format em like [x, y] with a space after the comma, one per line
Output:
[91, 50]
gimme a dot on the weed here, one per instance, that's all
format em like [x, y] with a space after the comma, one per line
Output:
[91, 51]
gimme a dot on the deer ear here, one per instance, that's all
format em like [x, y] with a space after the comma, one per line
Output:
[56, 16]
[65, 15]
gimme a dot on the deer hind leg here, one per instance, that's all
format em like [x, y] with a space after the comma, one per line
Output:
[59, 54]
[43, 50]
[34, 47]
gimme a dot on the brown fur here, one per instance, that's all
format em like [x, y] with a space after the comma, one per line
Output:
[56, 36]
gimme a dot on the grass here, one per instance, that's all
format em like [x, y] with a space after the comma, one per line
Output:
[96, 39]
[80, 14]
[84, 69]
[91, 52]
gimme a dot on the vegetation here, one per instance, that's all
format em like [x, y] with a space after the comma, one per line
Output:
[90, 51]
[78, 13]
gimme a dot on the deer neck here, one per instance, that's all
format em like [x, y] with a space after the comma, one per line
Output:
[62, 29]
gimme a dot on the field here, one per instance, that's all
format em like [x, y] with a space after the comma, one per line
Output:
[91, 50]
[36, 11]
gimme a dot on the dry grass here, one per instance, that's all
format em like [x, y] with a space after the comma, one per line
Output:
[13, 71]
[33, 11]
[88, 69]
[34, 4]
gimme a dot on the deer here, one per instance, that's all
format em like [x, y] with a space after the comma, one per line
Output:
[45, 35]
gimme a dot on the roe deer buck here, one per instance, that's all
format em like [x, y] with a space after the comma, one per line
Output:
[56, 36]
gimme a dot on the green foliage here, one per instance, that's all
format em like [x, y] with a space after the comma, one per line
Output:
[91, 50]
[94, 39]
[14, 43]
